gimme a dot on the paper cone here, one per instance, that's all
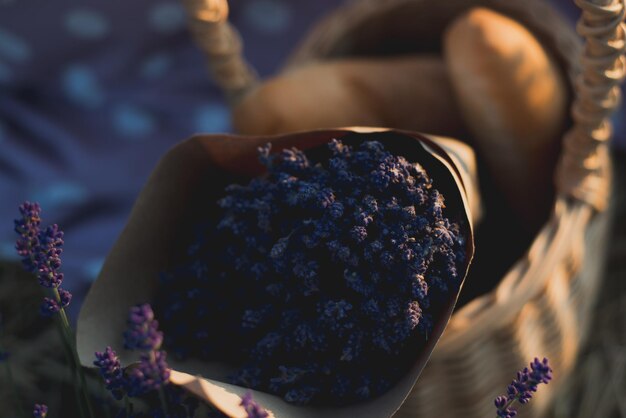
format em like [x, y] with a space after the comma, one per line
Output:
[183, 190]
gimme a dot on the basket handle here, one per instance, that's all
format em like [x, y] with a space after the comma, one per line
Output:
[220, 41]
[583, 170]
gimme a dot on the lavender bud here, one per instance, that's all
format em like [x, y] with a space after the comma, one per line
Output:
[143, 330]
[40, 411]
[111, 371]
[49, 307]
[150, 374]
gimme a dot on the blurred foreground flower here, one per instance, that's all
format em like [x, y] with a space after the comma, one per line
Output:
[522, 388]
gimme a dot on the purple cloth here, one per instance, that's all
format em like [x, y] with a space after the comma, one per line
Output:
[93, 92]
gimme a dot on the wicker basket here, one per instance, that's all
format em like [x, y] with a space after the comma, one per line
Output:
[541, 307]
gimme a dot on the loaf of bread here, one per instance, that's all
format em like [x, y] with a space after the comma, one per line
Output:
[513, 99]
[410, 93]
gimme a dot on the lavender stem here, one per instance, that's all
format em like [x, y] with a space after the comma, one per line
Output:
[68, 335]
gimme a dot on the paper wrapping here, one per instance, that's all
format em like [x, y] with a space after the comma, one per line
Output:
[183, 190]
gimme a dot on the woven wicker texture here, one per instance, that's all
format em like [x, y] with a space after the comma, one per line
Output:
[542, 305]
[222, 45]
[583, 169]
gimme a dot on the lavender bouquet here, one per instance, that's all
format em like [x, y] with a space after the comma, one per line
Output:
[321, 276]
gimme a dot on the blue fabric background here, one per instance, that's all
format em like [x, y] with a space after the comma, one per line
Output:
[93, 92]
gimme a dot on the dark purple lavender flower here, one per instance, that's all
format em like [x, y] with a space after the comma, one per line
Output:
[522, 388]
[326, 266]
[111, 371]
[40, 249]
[27, 227]
[540, 372]
[502, 408]
[41, 254]
[253, 409]
[150, 374]
[65, 298]
[40, 411]
[142, 333]
[49, 256]
[49, 307]
[143, 330]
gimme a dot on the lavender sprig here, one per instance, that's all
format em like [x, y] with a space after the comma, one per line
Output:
[41, 251]
[522, 388]
[151, 374]
[41, 254]
[143, 334]
[110, 368]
